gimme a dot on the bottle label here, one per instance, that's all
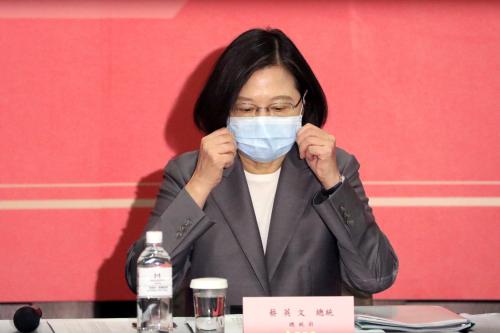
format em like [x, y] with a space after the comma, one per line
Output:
[154, 281]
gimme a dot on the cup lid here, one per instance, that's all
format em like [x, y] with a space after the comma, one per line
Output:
[209, 283]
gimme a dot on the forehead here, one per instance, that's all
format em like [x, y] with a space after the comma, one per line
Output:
[269, 82]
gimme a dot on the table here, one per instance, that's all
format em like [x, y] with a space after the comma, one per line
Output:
[485, 323]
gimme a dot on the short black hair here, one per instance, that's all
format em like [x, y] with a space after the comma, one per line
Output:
[249, 52]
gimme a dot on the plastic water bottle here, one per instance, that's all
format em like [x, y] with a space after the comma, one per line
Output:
[154, 287]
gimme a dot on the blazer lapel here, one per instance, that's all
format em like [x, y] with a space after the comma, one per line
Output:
[233, 199]
[289, 204]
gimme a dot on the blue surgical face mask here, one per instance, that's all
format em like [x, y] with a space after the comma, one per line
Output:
[264, 138]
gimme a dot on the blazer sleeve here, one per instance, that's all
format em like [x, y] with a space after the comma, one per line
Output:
[180, 219]
[368, 263]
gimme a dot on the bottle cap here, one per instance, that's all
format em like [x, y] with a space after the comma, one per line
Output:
[154, 237]
[209, 283]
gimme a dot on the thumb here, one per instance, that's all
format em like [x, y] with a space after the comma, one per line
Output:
[310, 157]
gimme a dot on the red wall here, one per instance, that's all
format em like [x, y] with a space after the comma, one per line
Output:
[95, 99]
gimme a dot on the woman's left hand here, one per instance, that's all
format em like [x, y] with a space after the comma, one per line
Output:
[318, 148]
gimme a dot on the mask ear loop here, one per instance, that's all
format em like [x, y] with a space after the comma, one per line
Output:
[302, 108]
[303, 103]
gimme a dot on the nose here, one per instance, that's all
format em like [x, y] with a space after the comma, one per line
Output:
[262, 111]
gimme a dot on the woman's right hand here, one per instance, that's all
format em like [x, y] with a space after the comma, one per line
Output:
[217, 152]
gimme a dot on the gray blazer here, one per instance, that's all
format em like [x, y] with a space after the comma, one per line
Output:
[314, 243]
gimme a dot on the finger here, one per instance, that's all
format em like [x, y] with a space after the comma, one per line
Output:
[219, 139]
[222, 158]
[227, 159]
[224, 148]
[326, 137]
[327, 142]
[217, 135]
[313, 131]
[220, 131]
[314, 140]
[320, 152]
[306, 128]
[304, 143]
[302, 148]
[309, 156]
[309, 126]
[300, 137]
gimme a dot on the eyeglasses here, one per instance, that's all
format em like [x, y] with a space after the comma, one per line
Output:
[280, 109]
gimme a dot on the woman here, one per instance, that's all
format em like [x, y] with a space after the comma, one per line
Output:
[268, 202]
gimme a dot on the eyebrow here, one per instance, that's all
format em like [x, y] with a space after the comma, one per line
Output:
[242, 98]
